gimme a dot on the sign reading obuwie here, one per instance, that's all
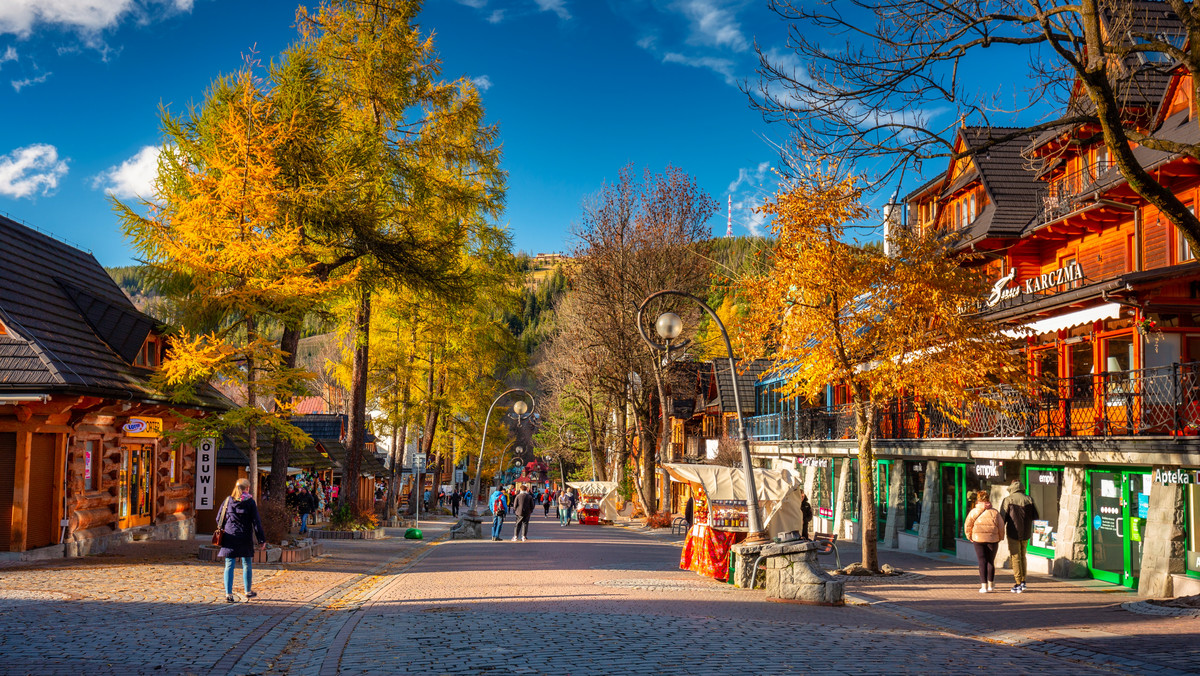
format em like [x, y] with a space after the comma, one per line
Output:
[206, 465]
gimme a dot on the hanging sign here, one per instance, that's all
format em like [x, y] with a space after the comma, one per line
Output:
[989, 469]
[458, 475]
[1001, 291]
[206, 464]
[143, 427]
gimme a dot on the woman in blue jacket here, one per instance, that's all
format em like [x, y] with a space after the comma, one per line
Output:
[240, 525]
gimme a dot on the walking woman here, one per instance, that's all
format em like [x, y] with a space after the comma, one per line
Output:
[239, 524]
[984, 528]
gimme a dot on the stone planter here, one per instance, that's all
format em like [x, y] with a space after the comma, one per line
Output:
[793, 575]
[271, 554]
[321, 534]
[744, 558]
[467, 528]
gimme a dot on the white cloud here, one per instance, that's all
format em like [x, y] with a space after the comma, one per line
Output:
[713, 25]
[10, 54]
[559, 7]
[31, 170]
[748, 192]
[482, 83]
[477, 4]
[133, 178]
[648, 42]
[496, 16]
[18, 85]
[723, 67]
[89, 16]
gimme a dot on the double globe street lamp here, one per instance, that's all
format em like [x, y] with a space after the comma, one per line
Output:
[519, 408]
[669, 326]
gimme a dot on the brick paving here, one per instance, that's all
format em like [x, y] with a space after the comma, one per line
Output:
[577, 600]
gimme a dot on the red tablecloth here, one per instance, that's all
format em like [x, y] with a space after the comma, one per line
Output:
[706, 551]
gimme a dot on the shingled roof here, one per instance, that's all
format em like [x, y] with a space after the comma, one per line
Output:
[747, 375]
[72, 329]
[1010, 183]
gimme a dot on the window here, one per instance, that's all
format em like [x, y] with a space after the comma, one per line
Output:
[1193, 530]
[1185, 247]
[822, 491]
[974, 212]
[148, 356]
[1043, 485]
[853, 505]
[91, 466]
[914, 493]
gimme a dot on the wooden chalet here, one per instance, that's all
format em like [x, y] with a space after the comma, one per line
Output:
[84, 462]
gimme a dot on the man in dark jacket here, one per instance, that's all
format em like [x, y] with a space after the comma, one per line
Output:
[305, 504]
[523, 507]
[455, 500]
[1019, 513]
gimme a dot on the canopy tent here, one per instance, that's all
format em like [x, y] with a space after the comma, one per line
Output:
[602, 492]
[778, 491]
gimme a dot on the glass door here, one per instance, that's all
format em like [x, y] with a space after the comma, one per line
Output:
[954, 503]
[135, 492]
[1118, 503]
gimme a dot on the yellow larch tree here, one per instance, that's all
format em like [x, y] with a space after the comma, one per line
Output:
[834, 313]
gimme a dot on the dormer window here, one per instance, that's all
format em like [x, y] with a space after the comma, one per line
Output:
[150, 356]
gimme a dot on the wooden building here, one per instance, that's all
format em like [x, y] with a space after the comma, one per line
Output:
[84, 461]
[1101, 294]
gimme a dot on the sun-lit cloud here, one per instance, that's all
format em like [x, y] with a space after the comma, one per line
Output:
[31, 170]
[477, 4]
[482, 83]
[89, 19]
[496, 16]
[747, 192]
[721, 66]
[132, 178]
[713, 23]
[559, 7]
[10, 54]
[18, 85]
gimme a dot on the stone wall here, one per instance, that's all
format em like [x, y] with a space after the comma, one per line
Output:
[1163, 542]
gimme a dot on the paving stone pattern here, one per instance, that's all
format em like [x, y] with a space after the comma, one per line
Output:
[572, 601]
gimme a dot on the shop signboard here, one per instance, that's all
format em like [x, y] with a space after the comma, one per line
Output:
[206, 462]
[989, 469]
[1001, 291]
[1044, 477]
[458, 475]
[1171, 477]
[143, 426]
[1193, 561]
[812, 462]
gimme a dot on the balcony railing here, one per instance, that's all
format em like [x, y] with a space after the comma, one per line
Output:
[1161, 401]
[1066, 194]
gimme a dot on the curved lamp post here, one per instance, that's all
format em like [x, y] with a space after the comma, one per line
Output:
[669, 326]
[519, 407]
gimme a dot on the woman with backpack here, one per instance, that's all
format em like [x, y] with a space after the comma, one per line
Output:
[984, 528]
[239, 524]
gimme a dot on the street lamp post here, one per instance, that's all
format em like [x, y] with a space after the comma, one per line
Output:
[519, 407]
[669, 326]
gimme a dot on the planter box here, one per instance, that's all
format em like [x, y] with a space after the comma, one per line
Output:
[270, 555]
[321, 534]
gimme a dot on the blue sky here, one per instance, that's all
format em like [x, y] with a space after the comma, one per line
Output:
[579, 88]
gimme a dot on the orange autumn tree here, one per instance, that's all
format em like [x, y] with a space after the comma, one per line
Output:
[234, 263]
[834, 313]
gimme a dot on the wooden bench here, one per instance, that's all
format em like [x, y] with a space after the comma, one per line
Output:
[825, 545]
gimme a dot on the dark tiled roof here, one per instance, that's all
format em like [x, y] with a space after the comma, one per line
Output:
[1010, 182]
[321, 425]
[747, 375]
[73, 318]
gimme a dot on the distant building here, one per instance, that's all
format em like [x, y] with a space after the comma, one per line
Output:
[549, 259]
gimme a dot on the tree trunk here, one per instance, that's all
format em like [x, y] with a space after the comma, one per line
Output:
[648, 448]
[252, 402]
[282, 450]
[664, 432]
[356, 436]
[868, 522]
[623, 446]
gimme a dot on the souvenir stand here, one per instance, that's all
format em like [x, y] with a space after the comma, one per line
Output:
[597, 501]
[720, 516]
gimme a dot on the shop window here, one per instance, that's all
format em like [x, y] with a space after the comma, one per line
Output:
[822, 492]
[853, 505]
[914, 492]
[1185, 247]
[1044, 487]
[1045, 364]
[91, 466]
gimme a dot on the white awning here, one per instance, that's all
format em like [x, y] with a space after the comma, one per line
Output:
[1069, 320]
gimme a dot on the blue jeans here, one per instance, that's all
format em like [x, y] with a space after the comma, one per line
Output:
[497, 525]
[303, 523]
[247, 572]
[564, 516]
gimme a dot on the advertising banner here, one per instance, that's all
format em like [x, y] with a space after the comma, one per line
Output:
[206, 465]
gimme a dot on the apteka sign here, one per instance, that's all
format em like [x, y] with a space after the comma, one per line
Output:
[1001, 291]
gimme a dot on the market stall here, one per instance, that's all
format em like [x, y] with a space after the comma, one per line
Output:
[597, 501]
[720, 516]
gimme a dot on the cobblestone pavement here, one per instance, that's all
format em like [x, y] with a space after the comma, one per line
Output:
[571, 601]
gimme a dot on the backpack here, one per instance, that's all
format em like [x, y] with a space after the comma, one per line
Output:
[498, 505]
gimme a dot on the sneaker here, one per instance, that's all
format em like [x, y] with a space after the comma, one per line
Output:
[991, 587]
[230, 598]
[983, 589]
[251, 595]
[1022, 589]
[523, 539]
[1016, 589]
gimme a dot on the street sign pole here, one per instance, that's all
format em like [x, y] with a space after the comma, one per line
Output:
[418, 465]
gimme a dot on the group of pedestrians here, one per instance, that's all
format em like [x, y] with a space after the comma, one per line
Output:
[522, 505]
[986, 526]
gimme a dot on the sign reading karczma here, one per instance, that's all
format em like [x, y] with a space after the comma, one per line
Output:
[1071, 272]
[206, 464]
